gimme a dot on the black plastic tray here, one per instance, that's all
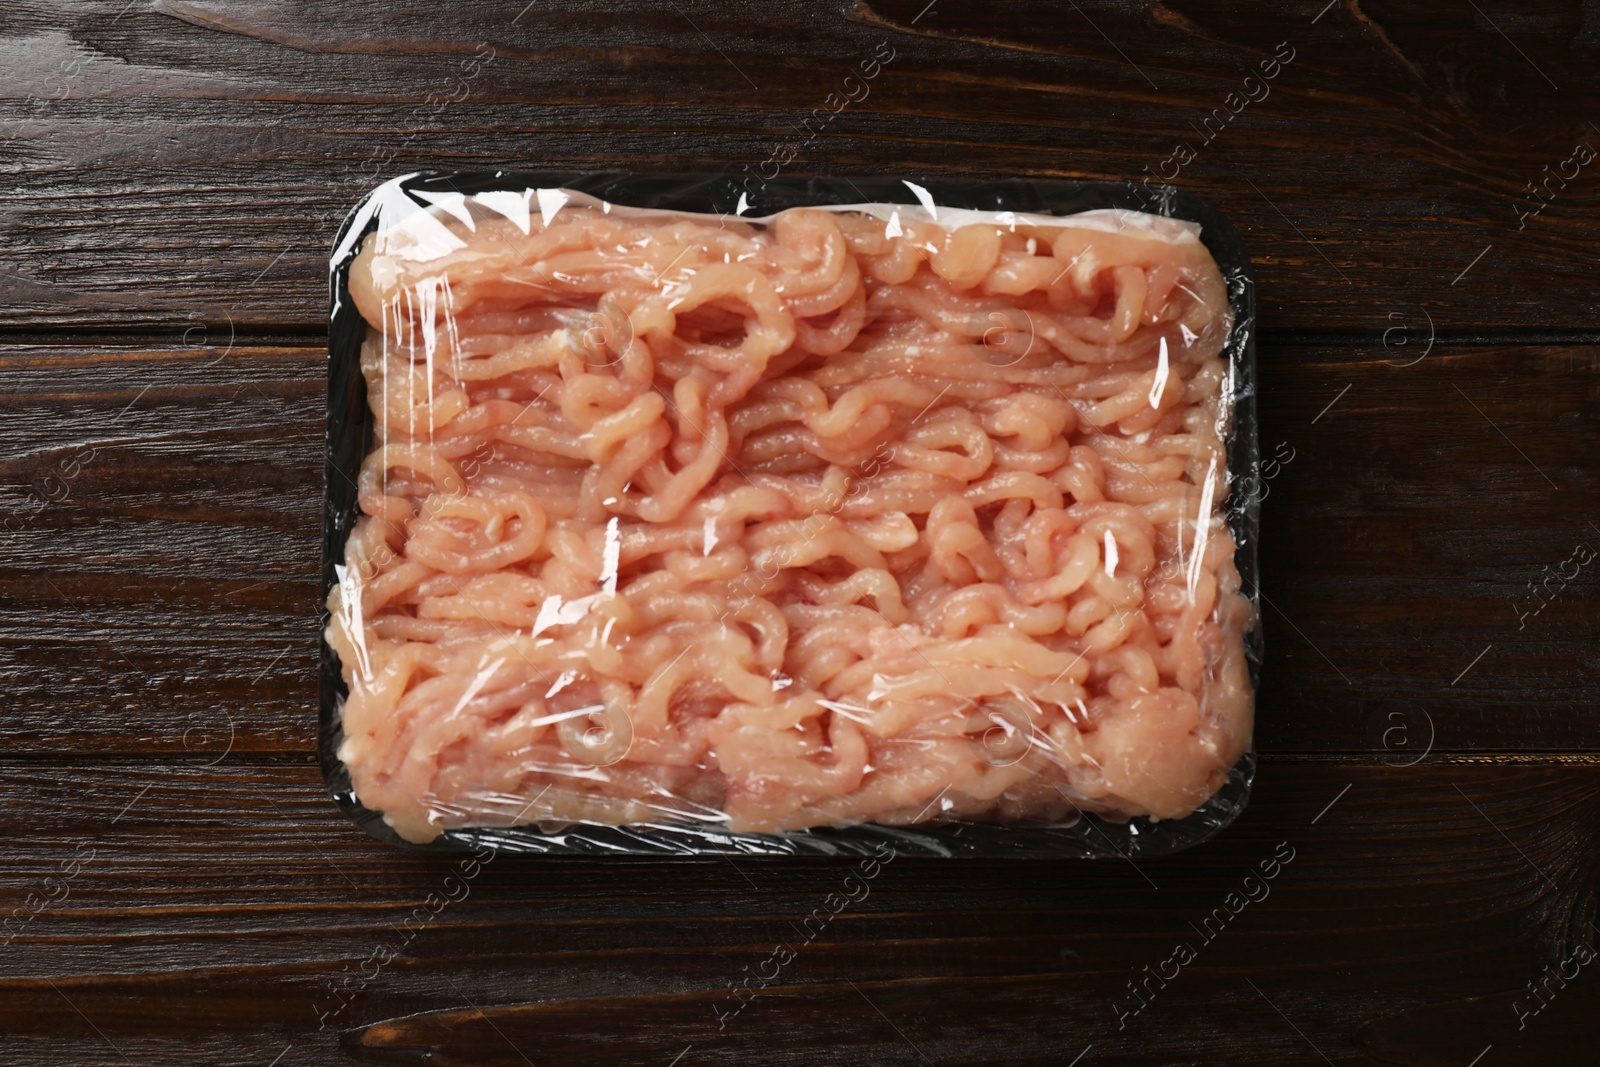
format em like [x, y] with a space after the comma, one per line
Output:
[350, 432]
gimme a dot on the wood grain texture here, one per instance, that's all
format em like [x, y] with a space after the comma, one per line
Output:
[162, 522]
[172, 162]
[1404, 544]
[239, 926]
[1402, 527]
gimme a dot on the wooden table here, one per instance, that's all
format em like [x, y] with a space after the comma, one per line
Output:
[1414, 182]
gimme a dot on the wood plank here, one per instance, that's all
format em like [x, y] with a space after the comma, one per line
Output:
[1404, 544]
[187, 161]
[218, 932]
[177, 574]
[161, 523]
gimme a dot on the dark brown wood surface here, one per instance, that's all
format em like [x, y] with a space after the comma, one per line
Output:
[179, 887]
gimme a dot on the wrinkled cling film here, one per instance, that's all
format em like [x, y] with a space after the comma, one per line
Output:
[681, 531]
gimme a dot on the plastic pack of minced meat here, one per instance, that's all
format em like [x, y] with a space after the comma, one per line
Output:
[669, 516]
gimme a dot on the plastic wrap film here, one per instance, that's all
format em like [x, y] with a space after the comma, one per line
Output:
[660, 521]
